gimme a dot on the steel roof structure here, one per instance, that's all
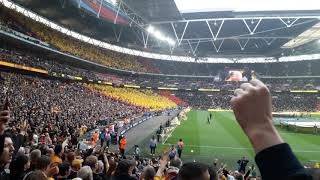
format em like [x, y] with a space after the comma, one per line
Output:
[203, 34]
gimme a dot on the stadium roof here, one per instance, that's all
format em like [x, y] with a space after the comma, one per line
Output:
[187, 6]
[201, 34]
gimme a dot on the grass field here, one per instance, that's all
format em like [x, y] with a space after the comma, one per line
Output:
[224, 139]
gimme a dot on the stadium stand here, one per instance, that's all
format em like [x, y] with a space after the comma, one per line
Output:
[143, 98]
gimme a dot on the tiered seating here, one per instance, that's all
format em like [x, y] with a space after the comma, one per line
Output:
[144, 98]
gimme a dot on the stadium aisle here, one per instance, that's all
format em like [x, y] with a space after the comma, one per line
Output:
[137, 134]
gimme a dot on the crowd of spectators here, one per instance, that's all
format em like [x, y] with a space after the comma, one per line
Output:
[305, 102]
[58, 159]
[143, 98]
[58, 108]
[71, 45]
[53, 65]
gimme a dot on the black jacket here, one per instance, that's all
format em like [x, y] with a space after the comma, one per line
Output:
[279, 163]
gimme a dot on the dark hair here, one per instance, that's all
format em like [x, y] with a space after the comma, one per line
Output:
[213, 173]
[64, 168]
[17, 166]
[38, 175]
[149, 173]
[58, 149]
[43, 162]
[180, 139]
[123, 168]
[176, 163]
[192, 171]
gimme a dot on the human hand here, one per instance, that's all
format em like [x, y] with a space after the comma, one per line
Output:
[163, 162]
[253, 110]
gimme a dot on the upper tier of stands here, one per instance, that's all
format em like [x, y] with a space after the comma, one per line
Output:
[54, 66]
[69, 45]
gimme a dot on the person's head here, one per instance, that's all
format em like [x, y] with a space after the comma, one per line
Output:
[43, 163]
[180, 140]
[20, 164]
[153, 137]
[100, 167]
[238, 176]
[8, 149]
[148, 173]
[58, 150]
[194, 171]
[76, 164]
[70, 157]
[85, 173]
[124, 167]
[176, 163]
[213, 173]
[92, 162]
[5, 117]
[34, 156]
[64, 169]
[35, 175]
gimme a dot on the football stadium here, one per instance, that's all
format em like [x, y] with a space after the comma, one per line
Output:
[159, 90]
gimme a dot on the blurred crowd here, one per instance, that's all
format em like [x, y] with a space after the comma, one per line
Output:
[55, 66]
[143, 98]
[58, 108]
[305, 102]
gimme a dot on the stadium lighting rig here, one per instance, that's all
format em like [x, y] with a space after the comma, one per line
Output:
[160, 36]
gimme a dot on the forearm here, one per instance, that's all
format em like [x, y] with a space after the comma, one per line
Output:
[160, 172]
[264, 137]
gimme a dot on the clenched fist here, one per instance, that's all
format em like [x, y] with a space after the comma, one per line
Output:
[253, 110]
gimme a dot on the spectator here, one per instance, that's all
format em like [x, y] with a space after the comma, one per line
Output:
[6, 158]
[34, 158]
[56, 157]
[253, 111]
[64, 171]
[194, 171]
[85, 173]
[75, 167]
[92, 162]
[124, 170]
[35, 175]
[19, 167]
[148, 173]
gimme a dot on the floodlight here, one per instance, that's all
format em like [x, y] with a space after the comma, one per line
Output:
[150, 29]
[160, 36]
[170, 41]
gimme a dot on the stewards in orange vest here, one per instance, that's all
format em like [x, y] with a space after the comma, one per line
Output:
[123, 143]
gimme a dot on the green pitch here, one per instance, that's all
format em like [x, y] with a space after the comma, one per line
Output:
[224, 139]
